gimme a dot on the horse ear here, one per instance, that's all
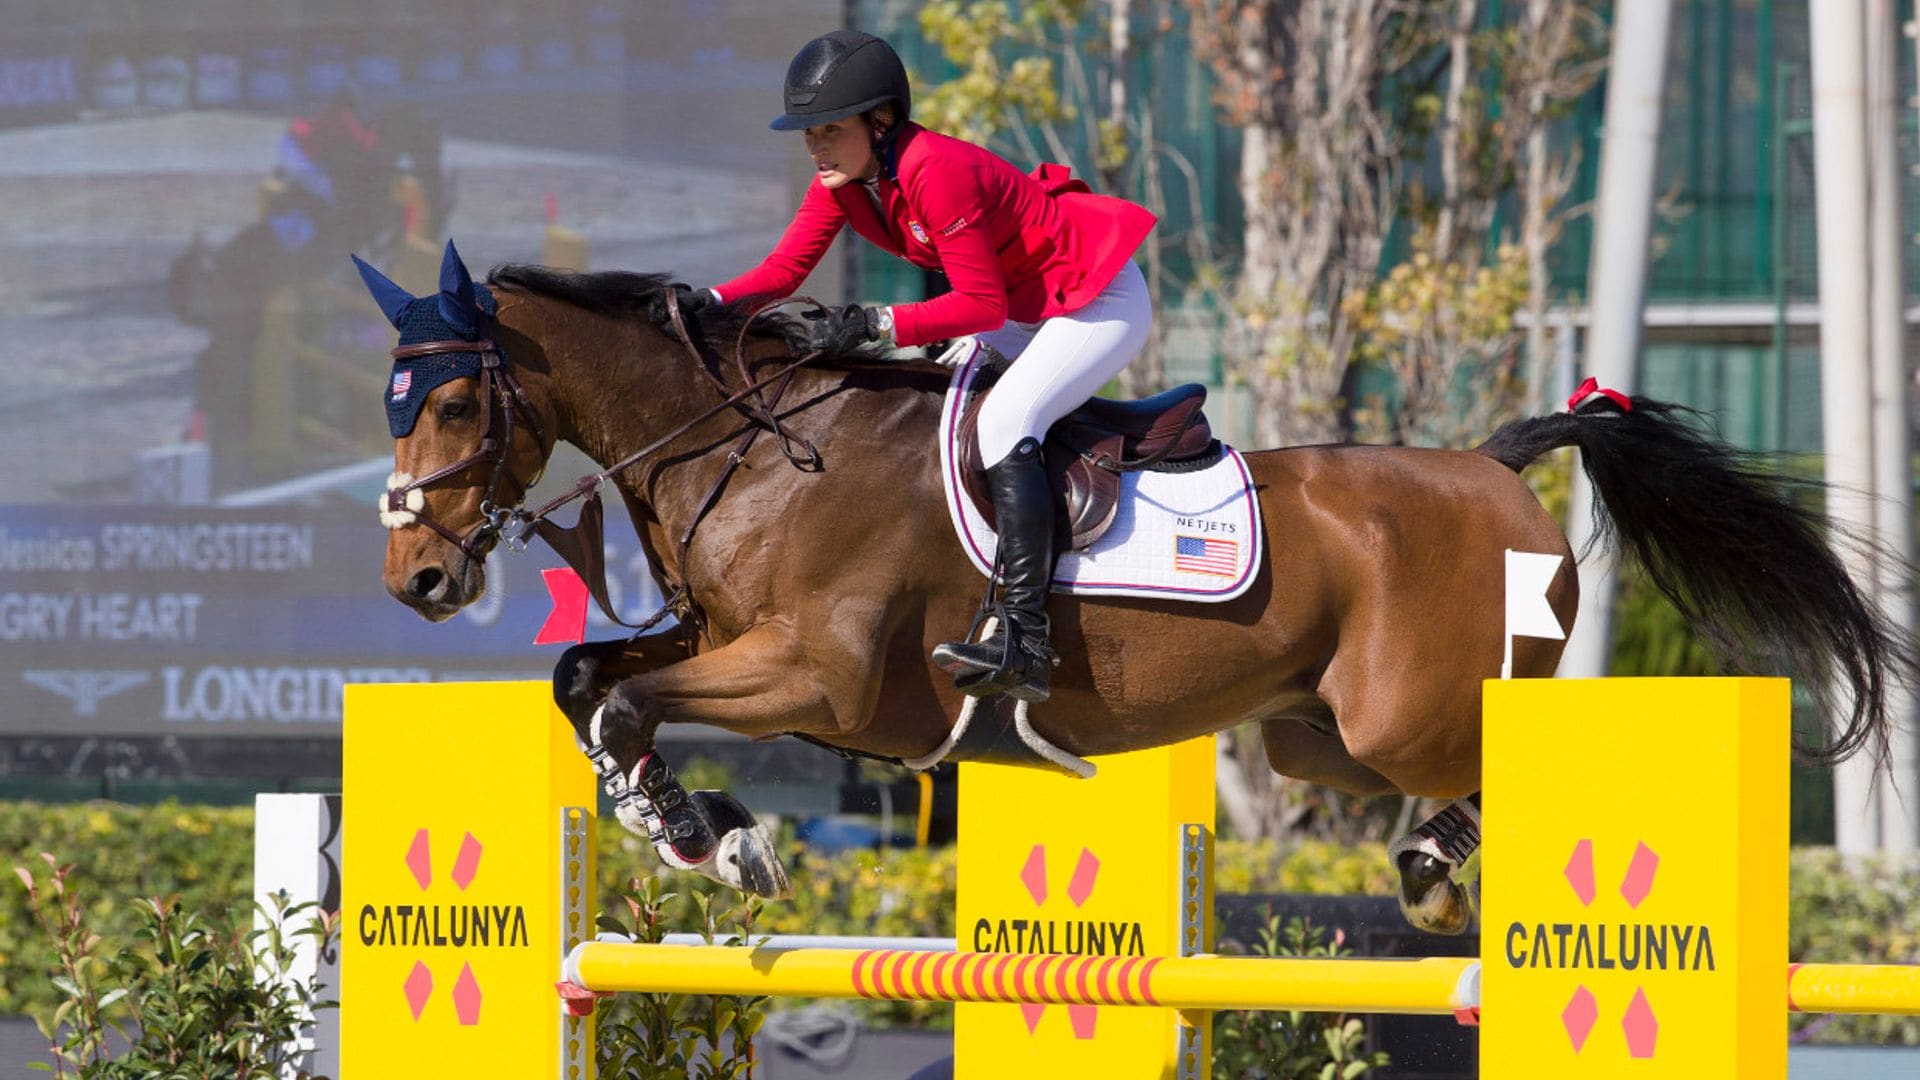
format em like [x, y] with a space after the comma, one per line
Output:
[456, 294]
[393, 299]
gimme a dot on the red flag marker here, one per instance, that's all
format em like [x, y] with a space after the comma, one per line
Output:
[567, 625]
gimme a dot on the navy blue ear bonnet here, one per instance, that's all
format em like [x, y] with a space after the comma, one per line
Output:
[418, 377]
[460, 311]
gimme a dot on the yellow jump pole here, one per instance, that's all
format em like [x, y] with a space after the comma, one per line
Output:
[1430, 985]
[1854, 988]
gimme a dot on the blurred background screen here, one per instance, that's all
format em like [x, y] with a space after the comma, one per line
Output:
[190, 434]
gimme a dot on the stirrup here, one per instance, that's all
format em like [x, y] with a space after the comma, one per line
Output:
[1022, 670]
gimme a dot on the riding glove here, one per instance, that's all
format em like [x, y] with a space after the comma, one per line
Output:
[841, 330]
[692, 302]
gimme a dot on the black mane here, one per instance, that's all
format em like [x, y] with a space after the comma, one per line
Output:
[624, 294]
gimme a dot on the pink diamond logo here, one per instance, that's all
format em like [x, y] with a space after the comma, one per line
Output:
[420, 858]
[466, 997]
[467, 863]
[1082, 1018]
[1639, 880]
[1579, 1016]
[419, 988]
[1034, 874]
[1084, 871]
[1580, 871]
[1641, 1026]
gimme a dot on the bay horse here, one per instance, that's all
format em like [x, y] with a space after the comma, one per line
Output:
[812, 595]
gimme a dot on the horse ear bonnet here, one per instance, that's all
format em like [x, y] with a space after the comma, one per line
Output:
[415, 378]
[842, 74]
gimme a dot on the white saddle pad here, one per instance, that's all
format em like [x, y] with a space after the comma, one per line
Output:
[1183, 536]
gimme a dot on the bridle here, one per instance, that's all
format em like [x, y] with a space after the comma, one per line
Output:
[514, 525]
[495, 520]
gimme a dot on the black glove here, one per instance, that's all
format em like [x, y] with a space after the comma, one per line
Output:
[692, 302]
[841, 330]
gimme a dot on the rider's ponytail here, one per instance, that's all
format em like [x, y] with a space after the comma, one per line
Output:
[885, 121]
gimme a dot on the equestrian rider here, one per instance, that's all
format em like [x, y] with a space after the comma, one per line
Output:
[1041, 270]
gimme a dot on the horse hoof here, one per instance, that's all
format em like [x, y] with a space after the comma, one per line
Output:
[1443, 910]
[747, 861]
[1430, 899]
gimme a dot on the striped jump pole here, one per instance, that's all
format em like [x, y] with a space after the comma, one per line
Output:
[1440, 985]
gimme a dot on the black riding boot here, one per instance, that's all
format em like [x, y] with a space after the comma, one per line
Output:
[1016, 659]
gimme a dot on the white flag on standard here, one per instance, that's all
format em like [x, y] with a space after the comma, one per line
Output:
[1528, 613]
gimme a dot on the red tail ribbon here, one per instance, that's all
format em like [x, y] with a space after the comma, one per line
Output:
[1591, 387]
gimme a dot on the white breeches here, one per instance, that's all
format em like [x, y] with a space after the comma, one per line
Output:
[1062, 362]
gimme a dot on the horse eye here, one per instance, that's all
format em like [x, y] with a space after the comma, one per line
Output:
[454, 409]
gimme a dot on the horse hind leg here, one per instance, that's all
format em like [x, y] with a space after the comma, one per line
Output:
[1437, 862]
[1439, 867]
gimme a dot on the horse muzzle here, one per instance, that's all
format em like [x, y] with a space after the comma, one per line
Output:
[436, 591]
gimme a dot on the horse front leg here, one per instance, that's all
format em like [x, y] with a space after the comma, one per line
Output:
[587, 671]
[760, 684]
[699, 830]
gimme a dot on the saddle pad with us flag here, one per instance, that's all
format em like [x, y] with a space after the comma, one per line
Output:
[1180, 536]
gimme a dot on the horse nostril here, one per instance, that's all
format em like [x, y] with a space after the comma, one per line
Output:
[428, 584]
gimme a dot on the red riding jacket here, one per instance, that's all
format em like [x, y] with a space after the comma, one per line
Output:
[1014, 246]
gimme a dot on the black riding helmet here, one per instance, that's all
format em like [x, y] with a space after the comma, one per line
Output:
[842, 74]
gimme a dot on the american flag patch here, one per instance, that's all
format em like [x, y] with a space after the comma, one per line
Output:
[1200, 555]
[402, 382]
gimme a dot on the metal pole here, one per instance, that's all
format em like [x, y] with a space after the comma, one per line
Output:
[1623, 224]
[1778, 207]
[1838, 48]
[1892, 452]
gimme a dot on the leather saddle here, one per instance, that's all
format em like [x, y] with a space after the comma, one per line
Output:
[1088, 449]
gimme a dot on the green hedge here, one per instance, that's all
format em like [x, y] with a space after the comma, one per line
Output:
[1860, 914]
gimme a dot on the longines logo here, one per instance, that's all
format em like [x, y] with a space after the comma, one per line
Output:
[86, 689]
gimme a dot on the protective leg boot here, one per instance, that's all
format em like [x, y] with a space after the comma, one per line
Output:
[1438, 865]
[1017, 658]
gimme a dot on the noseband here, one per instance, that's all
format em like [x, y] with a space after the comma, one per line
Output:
[509, 522]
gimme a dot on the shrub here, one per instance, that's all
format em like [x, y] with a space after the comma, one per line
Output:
[1292, 1045]
[676, 1036]
[1861, 911]
[188, 999]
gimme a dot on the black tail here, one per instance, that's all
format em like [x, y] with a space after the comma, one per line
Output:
[1740, 549]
